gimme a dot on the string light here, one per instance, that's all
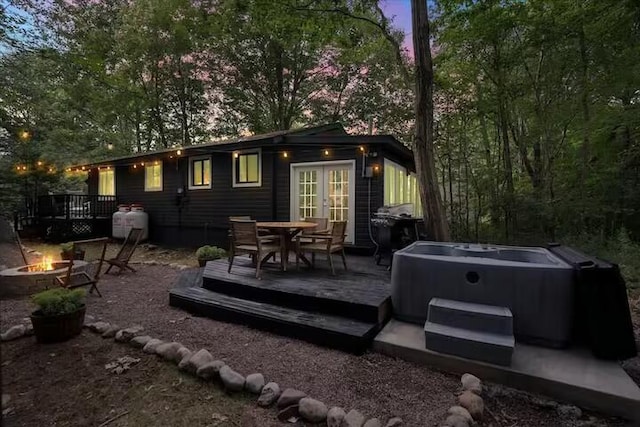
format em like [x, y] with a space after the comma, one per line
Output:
[68, 169]
[109, 146]
[285, 154]
[17, 167]
[235, 155]
[24, 168]
[39, 162]
[155, 163]
[82, 168]
[141, 163]
[179, 152]
[108, 168]
[376, 168]
[361, 149]
[24, 135]
[50, 169]
[135, 166]
[326, 152]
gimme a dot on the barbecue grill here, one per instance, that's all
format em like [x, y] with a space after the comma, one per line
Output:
[393, 229]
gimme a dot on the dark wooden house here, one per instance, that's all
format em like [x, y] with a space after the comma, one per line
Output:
[189, 193]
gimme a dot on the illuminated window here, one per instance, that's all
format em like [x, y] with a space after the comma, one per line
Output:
[400, 187]
[106, 182]
[199, 172]
[153, 176]
[246, 169]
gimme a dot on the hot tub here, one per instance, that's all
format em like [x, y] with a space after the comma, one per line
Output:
[534, 283]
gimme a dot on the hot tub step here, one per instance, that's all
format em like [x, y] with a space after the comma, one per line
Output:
[474, 317]
[483, 346]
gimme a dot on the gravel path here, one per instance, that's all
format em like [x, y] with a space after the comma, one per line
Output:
[377, 385]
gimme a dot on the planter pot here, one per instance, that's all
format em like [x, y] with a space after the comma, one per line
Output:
[49, 329]
[66, 255]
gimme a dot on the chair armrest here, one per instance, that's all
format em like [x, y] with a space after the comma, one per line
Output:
[318, 236]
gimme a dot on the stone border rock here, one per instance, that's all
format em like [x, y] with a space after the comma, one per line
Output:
[292, 404]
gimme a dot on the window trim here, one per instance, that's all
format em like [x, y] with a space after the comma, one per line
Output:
[193, 159]
[100, 172]
[149, 165]
[234, 163]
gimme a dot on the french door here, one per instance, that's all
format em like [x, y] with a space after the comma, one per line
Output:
[325, 190]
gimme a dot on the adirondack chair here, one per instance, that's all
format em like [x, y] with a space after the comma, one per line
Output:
[127, 249]
[94, 251]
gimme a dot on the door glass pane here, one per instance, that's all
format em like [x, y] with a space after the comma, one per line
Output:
[338, 194]
[307, 194]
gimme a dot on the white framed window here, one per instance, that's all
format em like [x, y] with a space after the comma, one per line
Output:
[400, 187]
[106, 182]
[247, 168]
[199, 172]
[153, 176]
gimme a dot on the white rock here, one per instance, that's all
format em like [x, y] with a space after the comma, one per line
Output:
[373, 422]
[13, 333]
[28, 329]
[140, 341]
[99, 327]
[269, 394]
[198, 359]
[394, 422]
[210, 370]
[169, 351]
[126, 335]
[472, 403]
[182, 352]
[569, 411]
[186, 355]
[456, 421]
[254, 383]
[290, 396]
[335, 416]
[111, 331]
[232, 380]
[353, 419]
[151, 345]
[461, 412]
[471, 383]
[6, 398]
[312, 410]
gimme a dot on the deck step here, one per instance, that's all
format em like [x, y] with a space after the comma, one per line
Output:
[470, 316]
[483, 346]
[319, 328]
[350, 294]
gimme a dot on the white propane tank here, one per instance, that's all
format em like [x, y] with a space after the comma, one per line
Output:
[117, 222]
[137, 218]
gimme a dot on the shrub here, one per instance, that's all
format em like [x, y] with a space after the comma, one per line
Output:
[66, 247]
[59, 301]
[210, 252]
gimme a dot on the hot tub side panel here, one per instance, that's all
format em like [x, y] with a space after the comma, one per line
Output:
[540, 297]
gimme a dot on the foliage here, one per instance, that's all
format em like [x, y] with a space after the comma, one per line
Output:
[66, 247]
[210, 253]
[59, 301]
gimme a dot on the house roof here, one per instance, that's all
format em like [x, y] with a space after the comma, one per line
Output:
[332, 134]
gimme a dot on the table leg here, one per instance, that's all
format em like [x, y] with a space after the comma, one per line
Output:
[284, 238]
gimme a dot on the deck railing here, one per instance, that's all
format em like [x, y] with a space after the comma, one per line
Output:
[71, 206]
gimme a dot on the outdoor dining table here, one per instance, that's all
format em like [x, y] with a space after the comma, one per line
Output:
[287, 230]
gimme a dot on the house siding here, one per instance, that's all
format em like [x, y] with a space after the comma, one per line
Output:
[202, 215]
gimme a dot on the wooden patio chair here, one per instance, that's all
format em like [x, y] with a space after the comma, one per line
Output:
[94, 251]
[127, 249]
[324, 243]
[246, 240]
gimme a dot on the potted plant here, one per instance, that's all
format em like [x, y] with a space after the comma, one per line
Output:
[208, 253]
[59, 315]
[67, 251]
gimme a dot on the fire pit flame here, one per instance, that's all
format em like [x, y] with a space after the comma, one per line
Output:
[45, 265]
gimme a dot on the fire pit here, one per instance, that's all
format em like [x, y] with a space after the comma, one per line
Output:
[32, 278]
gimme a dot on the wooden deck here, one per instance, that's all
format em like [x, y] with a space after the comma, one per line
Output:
[345, 311]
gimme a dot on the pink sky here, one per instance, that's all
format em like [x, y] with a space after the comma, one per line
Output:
[399, 11]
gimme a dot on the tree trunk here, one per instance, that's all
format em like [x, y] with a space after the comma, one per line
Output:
[423, 152]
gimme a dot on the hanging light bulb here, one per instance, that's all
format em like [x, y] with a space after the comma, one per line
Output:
[179, 152]
[39, 162]
[110, 146]
[82, 168]
[235, 155]
[141, 163]
[135, 166]
[18, 167]
[285, 154]
[361, 149]
[50, 170]
[326, 152]
[24, 168]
